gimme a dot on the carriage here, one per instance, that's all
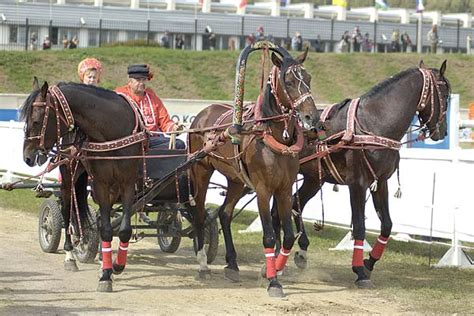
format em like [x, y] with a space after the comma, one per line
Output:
[163, 216]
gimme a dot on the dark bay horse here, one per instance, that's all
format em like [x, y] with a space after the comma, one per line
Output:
[367, 157]
[267, 165]
[111, 128]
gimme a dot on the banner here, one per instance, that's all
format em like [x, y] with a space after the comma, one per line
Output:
[419, 6]
[340, 3]
[380, 4]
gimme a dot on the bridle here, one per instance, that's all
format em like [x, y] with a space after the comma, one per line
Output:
[431, 86]
[56, 102]
[276, 74]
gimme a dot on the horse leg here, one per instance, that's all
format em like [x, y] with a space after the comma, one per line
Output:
[201, 175]
[69, 261]
[306, 192]
[357, 194]
[380, 199]
[234, 193]
[276, 225]
[269, 240]
[101, 194]
[284, 211]
[125, 230]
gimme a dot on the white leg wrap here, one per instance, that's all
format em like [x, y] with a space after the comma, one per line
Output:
[302, 253]
[202, 260]
[69, 256]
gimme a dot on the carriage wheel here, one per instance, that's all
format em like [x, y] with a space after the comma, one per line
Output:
[86, 250]
[211, 240]
[169, 219]
[50, 225]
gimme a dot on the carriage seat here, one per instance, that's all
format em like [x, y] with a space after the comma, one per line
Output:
[157, 168]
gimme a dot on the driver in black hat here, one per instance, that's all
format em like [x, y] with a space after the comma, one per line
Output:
[155, 115]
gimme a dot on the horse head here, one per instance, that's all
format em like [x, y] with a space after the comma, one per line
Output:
[291, 85]
[434, 102]
[40, 130]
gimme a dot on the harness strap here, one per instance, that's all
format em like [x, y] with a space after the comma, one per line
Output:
[115, 144]
[349, 133]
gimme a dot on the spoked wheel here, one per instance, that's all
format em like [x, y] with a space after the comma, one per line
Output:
[50, 225]
[173, 224]
[211, 238]
[86, 249]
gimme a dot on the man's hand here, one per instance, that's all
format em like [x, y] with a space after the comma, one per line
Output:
[178, 127]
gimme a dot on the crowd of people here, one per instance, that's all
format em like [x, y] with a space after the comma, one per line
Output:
[349, 42]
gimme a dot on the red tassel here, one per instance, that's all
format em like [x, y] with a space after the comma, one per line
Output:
[122, 254]
[106, 255]
[270, 259]
[379, 247]
[282, 259]
[358, 254]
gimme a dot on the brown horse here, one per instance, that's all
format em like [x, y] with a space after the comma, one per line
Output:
[369, 155]
[50, 113]
[267, 165]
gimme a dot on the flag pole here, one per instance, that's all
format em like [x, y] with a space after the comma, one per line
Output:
[419, 47]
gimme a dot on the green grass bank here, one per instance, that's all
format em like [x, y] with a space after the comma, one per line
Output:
[211, 74]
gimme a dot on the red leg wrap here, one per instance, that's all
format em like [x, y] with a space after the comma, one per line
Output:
[379, 247]
[282, 259]
[122, 253]
[358, 254]
[106, 255]
[270, 258]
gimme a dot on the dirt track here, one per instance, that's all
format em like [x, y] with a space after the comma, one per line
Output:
[33, 282]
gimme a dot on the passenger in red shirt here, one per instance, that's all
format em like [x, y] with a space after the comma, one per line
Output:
[154, 113]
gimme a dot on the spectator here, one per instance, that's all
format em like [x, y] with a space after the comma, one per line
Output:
[74, 42]
[65, 41]
[395, 44]
[297, 42]
[89, 71]
[165, 40]
[260, 34]
[211, 37]
[433, 38]
[33, 41]
[406, 42]
[367, 43]
[345, 42]
[318, 44]
[46, 43]
[250, 39]
[232, 43]
[356, 39]
[151, 107]
[179, 42]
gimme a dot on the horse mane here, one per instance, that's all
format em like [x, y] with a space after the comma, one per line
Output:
[388, 82]
[100, 92]
[25, 108]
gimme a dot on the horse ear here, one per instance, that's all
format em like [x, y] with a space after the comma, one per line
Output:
[302, 57]
[44, 89]
[276, 60]
[443, 68]
[421, 64]
[35, 84]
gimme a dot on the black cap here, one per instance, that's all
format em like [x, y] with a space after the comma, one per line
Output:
[139, 71]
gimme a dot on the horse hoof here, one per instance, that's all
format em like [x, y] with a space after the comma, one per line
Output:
[367, 272]
[105, 286]
[231, 274]
[301, 260]
[364, 284]
[117, 268]
[70, 265]
[204, 275]
[275, 289]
